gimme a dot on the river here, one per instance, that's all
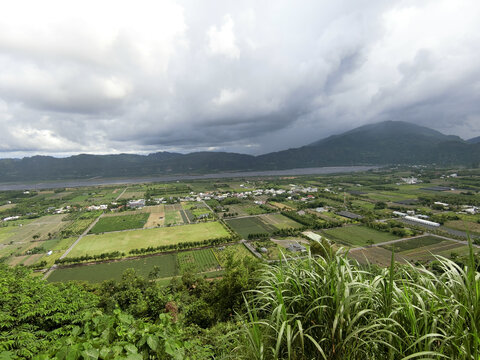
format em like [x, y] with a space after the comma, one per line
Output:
[168, 178]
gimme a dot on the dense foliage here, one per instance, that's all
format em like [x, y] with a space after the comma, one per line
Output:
[134, 318]
[330, 308]
[322, 307]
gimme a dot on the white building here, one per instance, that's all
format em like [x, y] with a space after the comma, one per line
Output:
[421, 221]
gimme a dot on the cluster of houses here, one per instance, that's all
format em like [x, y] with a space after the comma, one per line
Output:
[301, 189]
[97, 207]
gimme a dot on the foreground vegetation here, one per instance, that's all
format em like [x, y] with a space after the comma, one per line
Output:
[323, 307]
[330, 308]
[204, 295]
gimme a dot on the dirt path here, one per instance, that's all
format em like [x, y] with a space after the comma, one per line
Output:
[123, 192]
[252, 249]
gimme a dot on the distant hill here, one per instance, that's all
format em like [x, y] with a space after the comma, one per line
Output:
[390, 142]
[474, 140]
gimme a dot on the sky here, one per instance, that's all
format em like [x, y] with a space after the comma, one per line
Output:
[244, 76]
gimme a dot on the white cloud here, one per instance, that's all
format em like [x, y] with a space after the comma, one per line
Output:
[228, 96]
[145, 75]
[222, 41]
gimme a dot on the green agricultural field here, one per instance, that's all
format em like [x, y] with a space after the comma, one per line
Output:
[413, 243]
[77, 227]
[254, 210]
[374, 255]
[425, 248]
[165, 266]
[280, 221]
[261, 224]
[173, 214]
[117, 223]
[21, 235]
[43, 226]
[127, 240]
[388, 196]
[195, 209]
[363, 204]
[197, 260]
[250, 225]
[162, 190]
[464, 225]
[63, 244]
[6, 232]
[7, 207]
[357, 235]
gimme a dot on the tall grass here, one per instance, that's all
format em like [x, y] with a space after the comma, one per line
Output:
[333, 308]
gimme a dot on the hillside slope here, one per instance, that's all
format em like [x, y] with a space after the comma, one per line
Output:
[390, 142]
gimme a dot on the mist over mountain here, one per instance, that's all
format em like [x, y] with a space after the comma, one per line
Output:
[474, 140]
[390, 142]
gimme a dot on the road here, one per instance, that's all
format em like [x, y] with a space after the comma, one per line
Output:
[49, 271]
[123, 192]
[252, 249]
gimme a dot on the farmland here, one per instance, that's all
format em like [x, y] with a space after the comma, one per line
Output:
[173, 215]
[158, 266]
[373, 196]
[156, 217]
[357, 235]
[18, 237]
[280, 221]
[464, 225]
[166, 266]
[419, 249]
[118, 223]
[197, 261]
[162, 190]
[423, 248]
[249, 225]
[195, 210]
[413, 243]
[127, 240]
[244, 209]
[132, 192]
[269, 223]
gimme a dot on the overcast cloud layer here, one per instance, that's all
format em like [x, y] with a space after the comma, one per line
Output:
[245, 76]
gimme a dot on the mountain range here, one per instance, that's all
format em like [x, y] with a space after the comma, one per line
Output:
[389, 142]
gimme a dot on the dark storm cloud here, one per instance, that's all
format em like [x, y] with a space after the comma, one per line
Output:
[238, 76]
